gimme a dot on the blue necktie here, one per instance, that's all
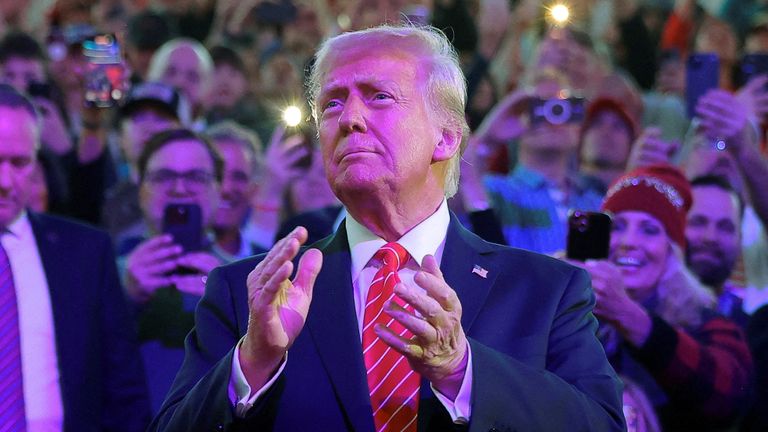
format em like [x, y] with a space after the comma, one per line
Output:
[11, 384]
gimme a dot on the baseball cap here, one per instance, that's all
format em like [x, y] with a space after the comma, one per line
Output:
[157, 95]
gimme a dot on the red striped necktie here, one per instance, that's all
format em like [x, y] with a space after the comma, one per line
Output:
[392, 384]
[12, 416]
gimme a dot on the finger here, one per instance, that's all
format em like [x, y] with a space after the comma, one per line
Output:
[285, 253]
[201, 261]
[159, 268]
[310, 265]
[437, 289]
[282, 248]
[156, 242]
[416, 325]
[276, 285]
[166, 253]
[405, 346]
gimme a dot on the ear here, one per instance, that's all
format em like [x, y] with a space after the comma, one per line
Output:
[449, 144]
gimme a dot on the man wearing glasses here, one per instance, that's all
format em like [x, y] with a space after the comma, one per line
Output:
[164, 270]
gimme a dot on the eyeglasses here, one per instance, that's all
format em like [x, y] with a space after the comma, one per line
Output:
[192, 179]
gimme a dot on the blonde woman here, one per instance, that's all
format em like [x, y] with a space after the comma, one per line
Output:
[658, 323]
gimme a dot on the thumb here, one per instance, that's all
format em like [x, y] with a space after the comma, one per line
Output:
[309, 267]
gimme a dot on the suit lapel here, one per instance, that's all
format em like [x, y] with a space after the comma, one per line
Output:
[333, 325]
[463, 251]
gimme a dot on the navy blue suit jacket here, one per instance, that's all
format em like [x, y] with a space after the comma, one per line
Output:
[100, 371]
[537, 364]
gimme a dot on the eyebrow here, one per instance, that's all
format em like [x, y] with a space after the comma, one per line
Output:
[358, 79]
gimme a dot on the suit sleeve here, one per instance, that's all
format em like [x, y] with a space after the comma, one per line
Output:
[198, 399]
[126, 401]
[578, 389]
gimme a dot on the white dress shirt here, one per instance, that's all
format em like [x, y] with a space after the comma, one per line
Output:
[426, 238]
[42, 393]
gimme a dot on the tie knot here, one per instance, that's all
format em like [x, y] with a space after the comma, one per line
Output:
[392, 255]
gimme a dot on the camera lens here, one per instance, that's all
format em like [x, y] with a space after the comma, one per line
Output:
[557, 111]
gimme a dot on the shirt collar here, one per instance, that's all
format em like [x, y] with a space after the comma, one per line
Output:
[20, 227]
[423, 239]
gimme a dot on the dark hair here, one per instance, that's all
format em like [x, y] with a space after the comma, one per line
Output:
[11, 98]
[161, 139]
[223, 55]
[148, 30]
[22, 45]
[720, 182]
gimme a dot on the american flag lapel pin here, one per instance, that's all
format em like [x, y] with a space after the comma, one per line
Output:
[483, 273]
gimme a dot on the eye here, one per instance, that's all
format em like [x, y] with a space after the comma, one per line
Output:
[331, 104]
[382, 96]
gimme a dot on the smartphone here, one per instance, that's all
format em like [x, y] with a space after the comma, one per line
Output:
[40, 89]
[184, 223]
[702, 73]
[589, 235]
[106, 78]
[753, 65]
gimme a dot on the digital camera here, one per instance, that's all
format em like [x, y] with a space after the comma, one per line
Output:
[557, 110]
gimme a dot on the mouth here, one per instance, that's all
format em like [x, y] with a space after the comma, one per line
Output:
[629, 263]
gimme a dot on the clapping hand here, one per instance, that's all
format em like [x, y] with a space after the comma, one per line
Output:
[278, 306]
[438, 349]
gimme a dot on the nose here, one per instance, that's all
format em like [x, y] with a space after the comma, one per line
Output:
[6, 181]
[179, 187]
[625, 239]
[352, 118]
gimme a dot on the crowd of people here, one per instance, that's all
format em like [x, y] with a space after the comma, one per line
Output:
[189, 166]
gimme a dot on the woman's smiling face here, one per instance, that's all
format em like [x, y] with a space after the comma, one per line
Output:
[640, 247]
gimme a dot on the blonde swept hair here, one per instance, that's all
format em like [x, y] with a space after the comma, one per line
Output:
[446, 85]
[681, 297]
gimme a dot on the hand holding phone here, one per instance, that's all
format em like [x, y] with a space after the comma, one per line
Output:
[589, 235]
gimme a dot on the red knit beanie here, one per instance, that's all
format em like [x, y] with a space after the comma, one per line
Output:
[659, 190]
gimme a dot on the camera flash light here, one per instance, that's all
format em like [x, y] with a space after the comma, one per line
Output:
[292, 115]
[559, 13]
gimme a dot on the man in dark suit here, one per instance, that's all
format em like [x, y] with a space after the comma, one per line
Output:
[402, 320]
[69, 355]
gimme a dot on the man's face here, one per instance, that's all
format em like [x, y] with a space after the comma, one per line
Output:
[237, 186]
[161, 184]
[140, 126]
[227, 86]
[18, 135]
[185, 72]
[376, 130]
[20, 72]
[713, 234]
[607, 141]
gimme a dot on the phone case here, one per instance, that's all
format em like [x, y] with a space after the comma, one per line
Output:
[702, 73]
[184, 223]
[589, 235]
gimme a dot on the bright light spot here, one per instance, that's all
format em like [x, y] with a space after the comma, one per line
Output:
[292, 115]
[560, 13]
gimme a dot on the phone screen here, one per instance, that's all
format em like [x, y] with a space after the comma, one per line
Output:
[106, 79]
[702, 73]
[589, 235]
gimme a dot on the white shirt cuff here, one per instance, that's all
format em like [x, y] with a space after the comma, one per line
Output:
[460, 409]
[240, 391]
